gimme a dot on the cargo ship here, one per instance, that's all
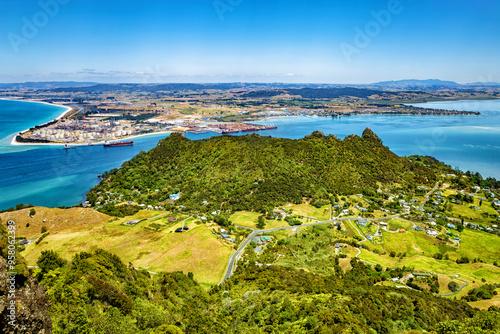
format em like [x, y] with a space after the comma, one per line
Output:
[120, 143]
[225, 132]
[250, 130]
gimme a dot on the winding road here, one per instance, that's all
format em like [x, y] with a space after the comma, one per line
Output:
[236, 255]
[421, 206]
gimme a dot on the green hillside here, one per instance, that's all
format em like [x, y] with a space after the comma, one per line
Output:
[97, 293]
[253, 172]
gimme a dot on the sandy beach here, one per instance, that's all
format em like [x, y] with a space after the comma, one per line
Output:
[67, 110]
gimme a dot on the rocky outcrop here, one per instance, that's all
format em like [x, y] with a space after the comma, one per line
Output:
[23, 302]
[369, 134]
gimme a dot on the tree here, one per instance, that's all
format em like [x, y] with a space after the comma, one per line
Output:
[460, 227]
[44, 229]
[32, 212]
[49, 260]
[453, 286]
[311, 322]
[168, 329]
[261, 223]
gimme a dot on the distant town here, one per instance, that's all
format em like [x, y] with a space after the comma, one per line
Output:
[113, 112]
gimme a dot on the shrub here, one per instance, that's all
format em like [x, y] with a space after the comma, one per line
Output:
[49, 260]
[453, 286]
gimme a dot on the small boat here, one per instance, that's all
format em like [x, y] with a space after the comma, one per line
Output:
[120, 143]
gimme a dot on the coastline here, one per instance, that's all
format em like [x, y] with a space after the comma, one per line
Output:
[68, 108]
[16, 143]
[13, 141]
[14, 135]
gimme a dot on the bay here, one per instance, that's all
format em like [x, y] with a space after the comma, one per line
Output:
[17, 116]
[51, 176]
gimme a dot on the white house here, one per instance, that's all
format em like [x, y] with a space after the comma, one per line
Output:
[432, 233]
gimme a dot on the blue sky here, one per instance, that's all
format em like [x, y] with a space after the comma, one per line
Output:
[249, 40]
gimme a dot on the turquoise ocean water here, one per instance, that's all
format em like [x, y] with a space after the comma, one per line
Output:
[16, 116]
[51, 176]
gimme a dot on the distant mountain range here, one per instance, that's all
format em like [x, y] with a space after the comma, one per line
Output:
[86, 87]
[412, 84]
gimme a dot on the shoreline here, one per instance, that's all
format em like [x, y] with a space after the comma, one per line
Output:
[13, 141]
[68, 108]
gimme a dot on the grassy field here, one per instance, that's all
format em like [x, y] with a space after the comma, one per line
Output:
[345, 264]
[485, 304]
[473, 271]
[469, 214]
[55, 220]
[307, 210]
[249, 219]
[474, 244]
[487, 207]
[444, 280]
[196, 250]
[396, 224]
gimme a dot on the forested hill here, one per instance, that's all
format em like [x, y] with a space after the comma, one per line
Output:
[253, 172]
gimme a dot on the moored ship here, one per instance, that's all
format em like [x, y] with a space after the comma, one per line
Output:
[120, 143]
[250, 130]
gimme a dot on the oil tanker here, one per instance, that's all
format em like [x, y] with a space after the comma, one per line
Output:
[120, 143]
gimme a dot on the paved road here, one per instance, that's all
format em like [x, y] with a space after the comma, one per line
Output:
[421, 207]
[358, 249]
[156, 217]
[236, 255]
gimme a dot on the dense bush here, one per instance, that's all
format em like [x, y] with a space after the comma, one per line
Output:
[49, 260]
[120, 210]
[253, 172]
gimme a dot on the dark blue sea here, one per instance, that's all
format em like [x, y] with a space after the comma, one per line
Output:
[51, 176]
